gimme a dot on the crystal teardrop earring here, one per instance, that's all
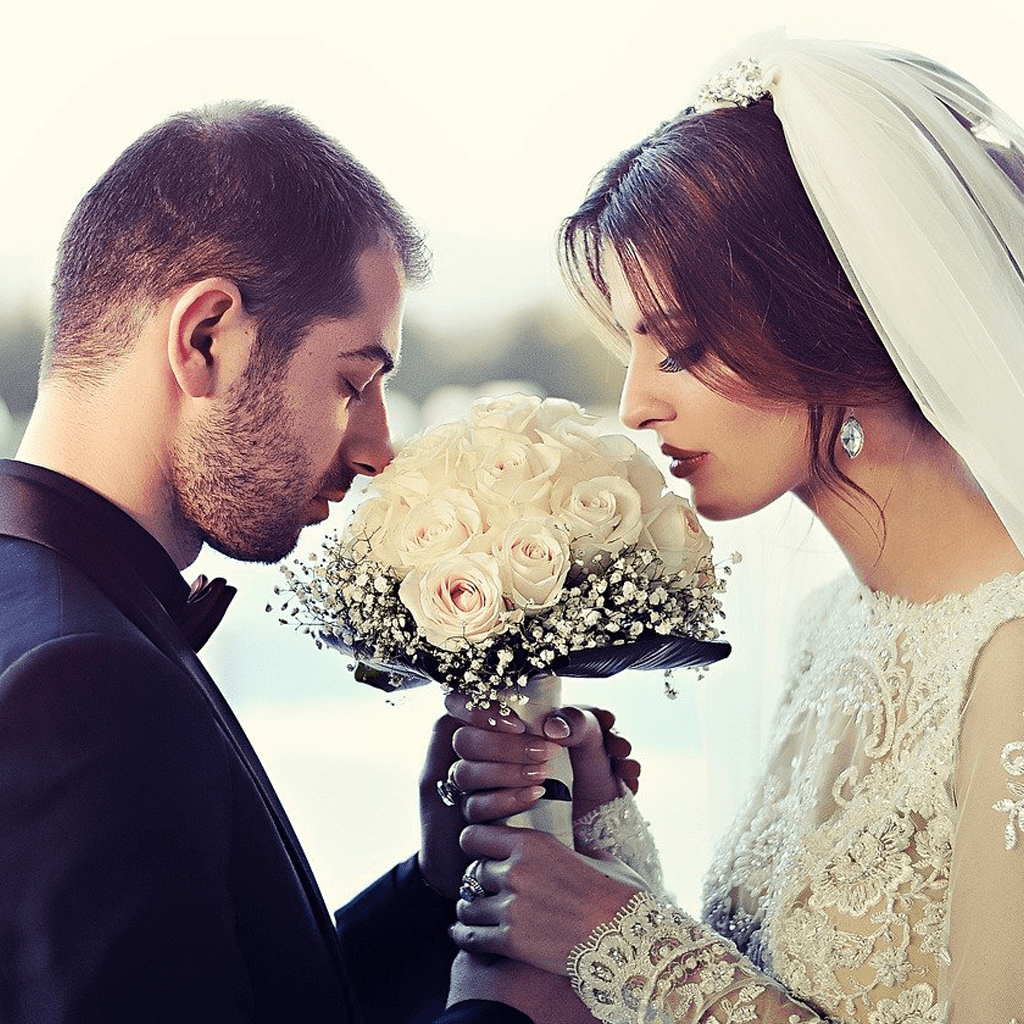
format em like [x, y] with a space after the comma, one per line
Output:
[851, 436]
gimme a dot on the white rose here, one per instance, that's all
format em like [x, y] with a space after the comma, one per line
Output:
[555, 411]
[435, 528]
[506, 414]
[677, 537]
[426, 466]
[648, 480]
[534, 557]
[369, 533]
[457, 600]
[554, 419]
[436, 439]
[603, 514]
[511, 474]
[624, 458]
[566, 425]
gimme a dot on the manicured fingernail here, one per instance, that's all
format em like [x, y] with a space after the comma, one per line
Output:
[538, 752]
[540, 772]
[532, 793]
[556, 727]
[506, 723]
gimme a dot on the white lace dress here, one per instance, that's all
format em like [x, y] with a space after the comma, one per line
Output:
[876, 873]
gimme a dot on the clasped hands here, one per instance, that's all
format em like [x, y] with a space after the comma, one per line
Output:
[535, 899]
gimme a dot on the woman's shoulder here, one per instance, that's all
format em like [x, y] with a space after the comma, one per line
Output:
[846, 614]
[979, 610]
[948, 637]
[998, 669]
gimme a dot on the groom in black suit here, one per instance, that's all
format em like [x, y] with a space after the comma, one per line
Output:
[227, 302]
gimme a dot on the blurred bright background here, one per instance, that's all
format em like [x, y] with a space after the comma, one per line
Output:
[486, 120]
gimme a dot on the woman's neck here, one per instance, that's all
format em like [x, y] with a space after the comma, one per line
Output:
[940, 533]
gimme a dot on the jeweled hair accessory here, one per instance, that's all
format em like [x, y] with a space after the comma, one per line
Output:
[738, 85]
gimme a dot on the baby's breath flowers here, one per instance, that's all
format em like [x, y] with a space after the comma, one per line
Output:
[519, 542]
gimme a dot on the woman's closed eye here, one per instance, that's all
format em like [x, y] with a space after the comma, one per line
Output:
[681, 356]
[676, 361]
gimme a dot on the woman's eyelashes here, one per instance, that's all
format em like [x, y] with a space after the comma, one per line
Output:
[682, 360]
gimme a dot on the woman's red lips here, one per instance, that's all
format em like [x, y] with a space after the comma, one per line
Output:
[683, 462]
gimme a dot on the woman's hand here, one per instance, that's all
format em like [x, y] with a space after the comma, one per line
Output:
[600, 757]
[501, 770]
[542, 898]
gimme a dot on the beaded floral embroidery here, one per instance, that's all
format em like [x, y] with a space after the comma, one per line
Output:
[619, 828]
[1013, 763]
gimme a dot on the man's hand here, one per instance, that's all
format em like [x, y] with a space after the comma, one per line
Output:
[441, 859]
[543, 997]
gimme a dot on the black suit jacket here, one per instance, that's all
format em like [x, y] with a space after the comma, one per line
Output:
[148, 872]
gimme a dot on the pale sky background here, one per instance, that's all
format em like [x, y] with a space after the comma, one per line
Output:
[486, 120]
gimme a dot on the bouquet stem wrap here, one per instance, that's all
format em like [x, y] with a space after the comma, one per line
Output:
[553, 812]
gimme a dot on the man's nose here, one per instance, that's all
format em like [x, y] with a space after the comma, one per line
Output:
[367, 446]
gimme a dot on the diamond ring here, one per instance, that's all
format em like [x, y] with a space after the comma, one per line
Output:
[471, 889]
[447, 790]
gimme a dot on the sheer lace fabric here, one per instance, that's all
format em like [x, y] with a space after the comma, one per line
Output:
[870, 875]
[619, 828]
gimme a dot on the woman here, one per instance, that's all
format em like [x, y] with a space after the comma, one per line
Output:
[816, 277]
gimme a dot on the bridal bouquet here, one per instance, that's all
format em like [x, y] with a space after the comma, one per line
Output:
[519, 543]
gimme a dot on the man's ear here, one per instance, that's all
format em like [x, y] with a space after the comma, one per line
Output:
[209, 336]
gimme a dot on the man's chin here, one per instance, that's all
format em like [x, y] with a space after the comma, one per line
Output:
[266, 550]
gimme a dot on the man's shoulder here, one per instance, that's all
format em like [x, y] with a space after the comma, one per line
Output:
[105, 702]
[44, 596]
[65, 643]
[88, 656]
[98, 675]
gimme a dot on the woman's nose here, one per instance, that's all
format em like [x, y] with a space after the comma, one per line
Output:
[641, 405]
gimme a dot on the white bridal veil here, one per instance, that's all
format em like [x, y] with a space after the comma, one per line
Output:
[917, 179]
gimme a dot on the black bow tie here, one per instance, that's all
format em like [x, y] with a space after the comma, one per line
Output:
[201, 614]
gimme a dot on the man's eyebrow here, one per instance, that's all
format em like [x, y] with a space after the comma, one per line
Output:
[373, 352]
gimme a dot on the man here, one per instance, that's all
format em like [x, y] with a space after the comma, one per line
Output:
[227, 303]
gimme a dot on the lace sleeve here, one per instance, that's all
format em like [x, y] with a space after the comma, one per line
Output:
[986, 937]
[619, 828]
[653, 962]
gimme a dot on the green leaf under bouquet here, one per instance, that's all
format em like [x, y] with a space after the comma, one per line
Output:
[518, 542]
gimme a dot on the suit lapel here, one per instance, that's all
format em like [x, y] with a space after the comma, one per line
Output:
[34, 513]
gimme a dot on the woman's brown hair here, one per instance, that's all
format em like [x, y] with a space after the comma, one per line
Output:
[731, 269]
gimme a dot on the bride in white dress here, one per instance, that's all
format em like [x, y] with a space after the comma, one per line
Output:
[815, 276]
